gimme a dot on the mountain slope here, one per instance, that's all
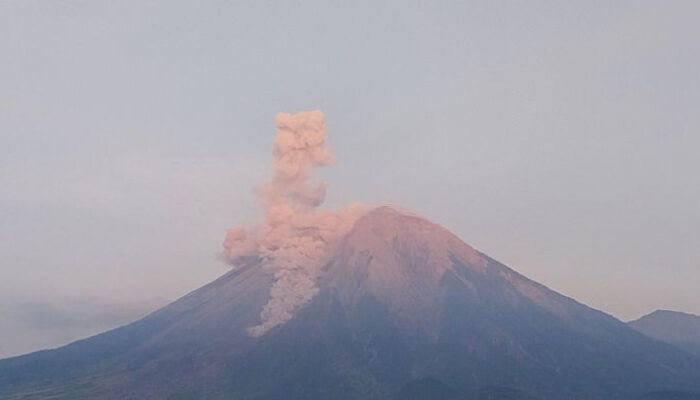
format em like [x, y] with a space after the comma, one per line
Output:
[403, 307]
[189, 337]
[679, 329]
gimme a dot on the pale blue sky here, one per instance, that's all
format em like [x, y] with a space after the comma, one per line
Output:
[562, 138]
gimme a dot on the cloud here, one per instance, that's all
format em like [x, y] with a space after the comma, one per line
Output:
[32, 325]
[297, 236]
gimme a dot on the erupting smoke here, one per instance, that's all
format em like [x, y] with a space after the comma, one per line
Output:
[296, 237]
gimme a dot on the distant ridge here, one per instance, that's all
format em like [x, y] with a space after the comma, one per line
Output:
[677, 328]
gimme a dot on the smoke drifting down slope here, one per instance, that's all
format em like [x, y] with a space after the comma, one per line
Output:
[297, 236]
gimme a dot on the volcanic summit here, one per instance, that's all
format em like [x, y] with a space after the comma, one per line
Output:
[366, 303]
[403, 308]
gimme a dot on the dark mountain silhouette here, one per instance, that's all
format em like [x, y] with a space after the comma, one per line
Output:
[677, 328]
[405, 310]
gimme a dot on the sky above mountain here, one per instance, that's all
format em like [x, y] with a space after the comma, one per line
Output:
[561, 138]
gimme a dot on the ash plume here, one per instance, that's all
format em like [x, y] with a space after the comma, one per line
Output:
[296, 237]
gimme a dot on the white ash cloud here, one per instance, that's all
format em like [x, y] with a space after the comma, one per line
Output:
[296, 237]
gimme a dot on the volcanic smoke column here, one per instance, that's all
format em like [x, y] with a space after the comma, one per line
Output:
[297, 236]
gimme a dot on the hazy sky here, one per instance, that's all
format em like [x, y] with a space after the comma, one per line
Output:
[561, 138]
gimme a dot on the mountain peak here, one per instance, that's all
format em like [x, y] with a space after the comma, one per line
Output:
[661, 312]
[402, 307]
[385, 213]
[387, 229]
[398, 260]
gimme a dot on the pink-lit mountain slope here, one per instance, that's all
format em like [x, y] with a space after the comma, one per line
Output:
[404, 310]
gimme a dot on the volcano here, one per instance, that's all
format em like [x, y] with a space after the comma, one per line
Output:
[403, 310]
